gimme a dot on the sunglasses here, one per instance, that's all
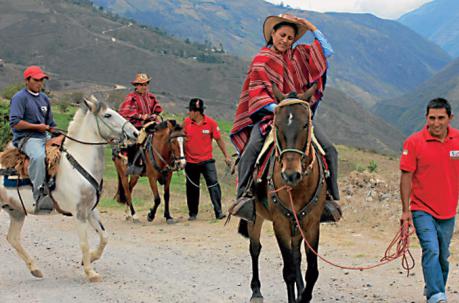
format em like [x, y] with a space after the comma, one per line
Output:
[142, 84]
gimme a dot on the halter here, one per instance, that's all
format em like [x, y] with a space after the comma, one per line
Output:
[308, 151]
[153, 151]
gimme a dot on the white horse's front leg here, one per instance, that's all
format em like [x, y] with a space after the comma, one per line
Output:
[92, 275]
[95, 222]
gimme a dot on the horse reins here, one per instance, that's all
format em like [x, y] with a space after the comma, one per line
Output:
[401, 241]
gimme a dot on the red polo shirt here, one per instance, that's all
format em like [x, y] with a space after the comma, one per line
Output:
[435, 165]
[198, 146]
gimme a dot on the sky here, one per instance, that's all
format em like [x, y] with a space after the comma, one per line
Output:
[386, 9]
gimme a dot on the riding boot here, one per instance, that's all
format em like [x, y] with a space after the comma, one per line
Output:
[135, 165]
[244, 206]
[43, 202]
[332, 210]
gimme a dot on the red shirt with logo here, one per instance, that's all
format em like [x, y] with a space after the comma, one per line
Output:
[198, 145]
[435, 167]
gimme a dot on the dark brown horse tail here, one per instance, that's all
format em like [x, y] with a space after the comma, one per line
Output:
[243, 228]
[120, 195]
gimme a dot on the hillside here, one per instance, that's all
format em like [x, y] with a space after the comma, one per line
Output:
[346, 122]
[373, 57]
[407, 112]
[79, 43]
[437, 21]
[84, 49]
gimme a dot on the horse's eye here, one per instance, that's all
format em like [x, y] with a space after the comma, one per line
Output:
[107, 115]
[306, 125]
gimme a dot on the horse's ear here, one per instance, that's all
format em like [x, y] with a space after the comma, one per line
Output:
[277, 93]
[90, 103]
[308, 93]
[173, 122]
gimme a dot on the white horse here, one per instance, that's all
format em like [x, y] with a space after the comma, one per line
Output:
[75, 193]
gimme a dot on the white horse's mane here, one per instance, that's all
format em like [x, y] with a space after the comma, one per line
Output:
[76, 121]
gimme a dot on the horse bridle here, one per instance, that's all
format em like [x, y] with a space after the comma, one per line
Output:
[168, 167]
[308, 151]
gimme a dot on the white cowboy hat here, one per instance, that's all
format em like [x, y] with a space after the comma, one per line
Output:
[272, 21]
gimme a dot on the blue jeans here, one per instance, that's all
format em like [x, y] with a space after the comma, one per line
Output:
[434, 236]
[34, 148]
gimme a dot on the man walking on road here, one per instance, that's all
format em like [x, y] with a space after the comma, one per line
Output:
[200, 130]
[429, 186]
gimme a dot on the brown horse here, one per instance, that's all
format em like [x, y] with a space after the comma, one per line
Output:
[164, 151]
[296, 177]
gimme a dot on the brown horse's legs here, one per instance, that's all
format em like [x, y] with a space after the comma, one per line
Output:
[132, 183]
[166, 197]
[157, 200]
[297, 261]
[254, 230]
[312, 272]
[124, 191]
[288, 272]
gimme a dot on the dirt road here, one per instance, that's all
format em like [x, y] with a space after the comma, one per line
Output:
[201, 261]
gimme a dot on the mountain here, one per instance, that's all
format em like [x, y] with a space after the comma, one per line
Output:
[437, 21]
[373, 57]
[84, 48]
[407, 112]
[77, 42]
[346, 122]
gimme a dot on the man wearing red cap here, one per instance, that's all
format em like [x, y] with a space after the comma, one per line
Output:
[200, 130]
[30, 120]
[139, 107]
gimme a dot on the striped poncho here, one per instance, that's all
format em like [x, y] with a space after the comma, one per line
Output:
[292, 71]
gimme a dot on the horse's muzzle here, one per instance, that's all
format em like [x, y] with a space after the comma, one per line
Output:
[291, 178]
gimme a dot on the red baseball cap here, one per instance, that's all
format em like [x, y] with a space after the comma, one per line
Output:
[35, 72]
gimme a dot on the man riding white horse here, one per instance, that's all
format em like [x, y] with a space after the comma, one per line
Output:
[31, 119]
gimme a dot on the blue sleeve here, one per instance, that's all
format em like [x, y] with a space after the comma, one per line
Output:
[17, 109]
[271, 107]
[327, 48]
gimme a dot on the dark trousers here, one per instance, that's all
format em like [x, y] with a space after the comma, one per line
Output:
[209, 171]
[331, 156]
[254, 146]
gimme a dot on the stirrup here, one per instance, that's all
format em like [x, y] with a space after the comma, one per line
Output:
[332, 211]
[244, 208]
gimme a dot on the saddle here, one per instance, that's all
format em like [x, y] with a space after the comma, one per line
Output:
[15, 163]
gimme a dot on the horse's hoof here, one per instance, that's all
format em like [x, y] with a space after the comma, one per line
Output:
[36, 273]
[256, 300]
[171, 221]
[150, 217]
[95, 278]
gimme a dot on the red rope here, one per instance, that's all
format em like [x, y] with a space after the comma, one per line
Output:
[401, 242]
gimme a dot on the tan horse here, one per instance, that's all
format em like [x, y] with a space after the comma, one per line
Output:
[296, 169]
[164, 154]
[75, 193]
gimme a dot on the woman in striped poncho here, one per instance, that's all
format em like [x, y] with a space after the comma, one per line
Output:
[291, 69]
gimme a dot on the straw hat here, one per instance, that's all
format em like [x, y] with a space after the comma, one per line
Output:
[272, 21]
[140, 79]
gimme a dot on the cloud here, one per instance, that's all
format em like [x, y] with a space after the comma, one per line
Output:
[388, 9]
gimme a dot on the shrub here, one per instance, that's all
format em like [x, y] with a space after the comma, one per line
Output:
[9, 91]
[373, 166]
[5, 133]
